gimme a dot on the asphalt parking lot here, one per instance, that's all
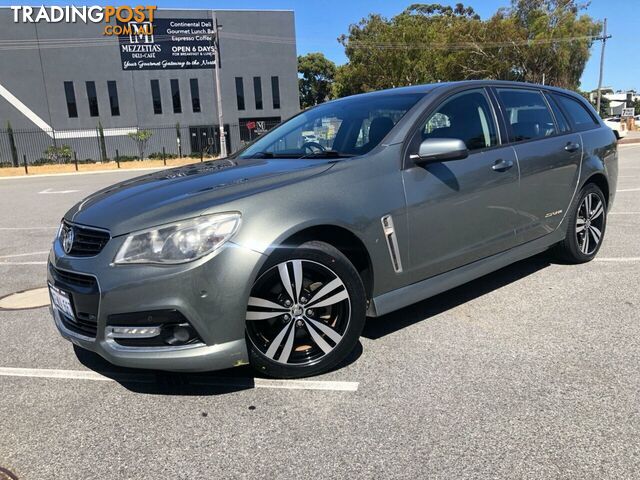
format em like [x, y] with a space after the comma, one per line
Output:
[530, 372]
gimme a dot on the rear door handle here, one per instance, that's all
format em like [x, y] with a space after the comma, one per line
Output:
[502, 165]
[572, 147]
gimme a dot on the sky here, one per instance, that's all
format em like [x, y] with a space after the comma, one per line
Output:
[319, 23]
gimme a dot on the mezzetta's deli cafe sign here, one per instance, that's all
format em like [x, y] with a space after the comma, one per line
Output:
[168, 44]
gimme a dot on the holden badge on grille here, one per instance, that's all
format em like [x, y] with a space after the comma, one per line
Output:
[67, 239]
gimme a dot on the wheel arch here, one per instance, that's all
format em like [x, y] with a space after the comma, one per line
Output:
[347, 242]
[600, 180]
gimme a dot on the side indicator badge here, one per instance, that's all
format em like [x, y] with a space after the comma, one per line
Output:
[392, 242]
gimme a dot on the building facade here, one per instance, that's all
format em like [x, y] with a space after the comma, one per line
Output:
[618, 100]
[62, 81]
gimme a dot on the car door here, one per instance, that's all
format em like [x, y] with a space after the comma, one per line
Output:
[463, 210]
[549, 156]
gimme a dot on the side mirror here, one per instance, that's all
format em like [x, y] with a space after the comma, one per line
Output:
[440, 150]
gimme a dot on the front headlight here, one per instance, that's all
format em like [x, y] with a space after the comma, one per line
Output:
[179, 242]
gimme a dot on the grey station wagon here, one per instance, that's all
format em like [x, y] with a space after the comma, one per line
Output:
[276, 255]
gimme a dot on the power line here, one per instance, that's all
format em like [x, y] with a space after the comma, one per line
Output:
[467, 45]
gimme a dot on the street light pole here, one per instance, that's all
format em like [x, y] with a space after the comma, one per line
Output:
[223, 140]
[604, 38]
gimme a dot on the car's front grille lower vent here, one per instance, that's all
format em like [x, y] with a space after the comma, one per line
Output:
[73, 279]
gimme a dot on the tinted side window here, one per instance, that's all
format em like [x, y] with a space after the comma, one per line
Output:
[466, 116]
[527, 113]
[561, 120]
[579, 115]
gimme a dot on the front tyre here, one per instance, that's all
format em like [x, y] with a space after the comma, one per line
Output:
[586, 227]
[306, 312]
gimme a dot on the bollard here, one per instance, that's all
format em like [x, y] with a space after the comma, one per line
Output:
[117, 158]
[75, 159]
[24, 158]
[164, 157]
[201, 155]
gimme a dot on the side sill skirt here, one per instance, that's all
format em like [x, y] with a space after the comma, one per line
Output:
[397, 299]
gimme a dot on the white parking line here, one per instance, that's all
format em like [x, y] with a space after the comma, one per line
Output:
[212, 381]
[23, 263]
[50, 191]
[617, 259]
[15, 255]
[28, 228]
[624, 213]
[628, 190]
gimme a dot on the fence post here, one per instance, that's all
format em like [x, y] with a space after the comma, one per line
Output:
[24, 158]
[201, 154]
[75, 159]
[164, 157]
[117, 158]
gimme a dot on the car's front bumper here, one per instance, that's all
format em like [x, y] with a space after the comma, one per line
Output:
[210, 293]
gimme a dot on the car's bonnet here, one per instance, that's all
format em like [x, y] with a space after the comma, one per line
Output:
[183, 192]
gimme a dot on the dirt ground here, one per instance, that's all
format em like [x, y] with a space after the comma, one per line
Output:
[92, 167]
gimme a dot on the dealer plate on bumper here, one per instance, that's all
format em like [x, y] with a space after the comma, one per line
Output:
[61, 301]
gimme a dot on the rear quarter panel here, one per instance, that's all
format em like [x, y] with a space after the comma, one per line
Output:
[600, 155]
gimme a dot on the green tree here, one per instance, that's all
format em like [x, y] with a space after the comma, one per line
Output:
[559, 40]
[103, 145]
[12, 145]
[431, 42]
[316, 74]
[141, 137]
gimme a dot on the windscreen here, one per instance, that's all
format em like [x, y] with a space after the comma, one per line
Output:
[344, 128]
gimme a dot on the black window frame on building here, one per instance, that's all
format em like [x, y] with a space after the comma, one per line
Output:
[240, 93]
[114, 102]
[92, 97]
[70, 95]
[176, 101]
[257, 92]
[275, 91]
[194, 87]
[156, 96]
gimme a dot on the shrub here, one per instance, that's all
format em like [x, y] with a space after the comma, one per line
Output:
[158, 156]
[58, 154]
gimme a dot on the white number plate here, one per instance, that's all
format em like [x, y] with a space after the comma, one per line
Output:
[61, 301]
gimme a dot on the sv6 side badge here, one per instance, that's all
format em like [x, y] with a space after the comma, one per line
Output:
[553, 214]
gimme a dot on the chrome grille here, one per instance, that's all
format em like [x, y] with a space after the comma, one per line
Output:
[87, 241]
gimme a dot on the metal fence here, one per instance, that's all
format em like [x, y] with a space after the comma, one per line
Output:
[94, 145]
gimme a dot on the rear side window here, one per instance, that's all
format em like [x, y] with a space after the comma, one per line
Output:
[466, 116]
[527, 114]
[561, 120]
[578, 113]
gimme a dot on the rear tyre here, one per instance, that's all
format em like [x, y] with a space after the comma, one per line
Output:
[306, 312]
[586, 226]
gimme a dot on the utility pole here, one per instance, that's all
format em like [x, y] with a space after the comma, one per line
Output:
[216, 40]
[604, 38]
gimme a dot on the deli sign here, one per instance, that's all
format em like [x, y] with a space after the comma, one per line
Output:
[169, 44]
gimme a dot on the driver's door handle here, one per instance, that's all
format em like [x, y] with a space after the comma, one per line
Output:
[502, 165]
[572, 147]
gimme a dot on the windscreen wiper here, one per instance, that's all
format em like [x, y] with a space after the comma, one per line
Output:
[328, 154]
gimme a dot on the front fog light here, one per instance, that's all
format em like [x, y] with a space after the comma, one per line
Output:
[133, 332]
